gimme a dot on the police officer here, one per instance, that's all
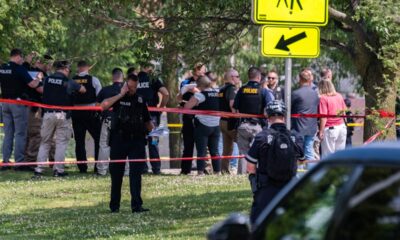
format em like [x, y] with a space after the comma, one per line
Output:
[272, 82]
[149, 87]
[57, 90]
[187, 90]
[207, 132]
[107, 92]
[250, 99]
[83, 121]
[272, 158]
[36, 64]
[15, 82]
[131, 121]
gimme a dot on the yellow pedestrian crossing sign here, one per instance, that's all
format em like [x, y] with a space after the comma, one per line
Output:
[299, 12]
[290, 42]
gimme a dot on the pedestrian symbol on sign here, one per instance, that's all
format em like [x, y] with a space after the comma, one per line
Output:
[291, 4]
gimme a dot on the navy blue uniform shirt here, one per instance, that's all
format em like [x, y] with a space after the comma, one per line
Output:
[14, 80]
[107, 92]
[266, 97]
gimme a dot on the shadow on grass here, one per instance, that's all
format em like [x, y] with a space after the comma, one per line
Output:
[171, 217]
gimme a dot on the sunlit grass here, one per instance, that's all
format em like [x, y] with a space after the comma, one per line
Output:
[182, 207]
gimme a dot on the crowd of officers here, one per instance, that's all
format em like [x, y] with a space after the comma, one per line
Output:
[122, 132]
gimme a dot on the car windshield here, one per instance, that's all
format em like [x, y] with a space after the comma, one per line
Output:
[374, 208]
[305, 213]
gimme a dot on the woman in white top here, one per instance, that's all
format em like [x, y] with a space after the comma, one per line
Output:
[207, 131]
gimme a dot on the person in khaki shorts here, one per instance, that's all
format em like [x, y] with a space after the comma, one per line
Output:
[57, 90]
[226, 98]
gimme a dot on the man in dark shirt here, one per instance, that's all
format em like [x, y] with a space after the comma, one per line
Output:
[107, 92]
[130, 123]
[15, 82]
[228, 125]
[305, 100]
[272, 79]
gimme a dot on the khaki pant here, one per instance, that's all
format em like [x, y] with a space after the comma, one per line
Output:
[228, 137]
[104, 147]
[54, 123]
[245, 135]
[33, 139]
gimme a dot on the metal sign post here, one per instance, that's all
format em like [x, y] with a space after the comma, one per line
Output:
[288, 91]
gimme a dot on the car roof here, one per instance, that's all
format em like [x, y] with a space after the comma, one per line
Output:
[376, 153]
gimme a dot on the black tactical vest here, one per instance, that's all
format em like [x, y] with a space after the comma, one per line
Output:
[128, 117]
[12, 86]
[144, 89]
[55, 90]
[90, 95]
[211, 102]
[250, 99]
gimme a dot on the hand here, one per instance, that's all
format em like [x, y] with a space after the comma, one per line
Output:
[321, 135]
[124, 89]
[195, 90]
[40, 76]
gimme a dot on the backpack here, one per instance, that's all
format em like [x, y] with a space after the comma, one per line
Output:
[280, 155]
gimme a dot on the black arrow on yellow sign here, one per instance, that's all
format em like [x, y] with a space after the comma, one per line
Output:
[283, 44]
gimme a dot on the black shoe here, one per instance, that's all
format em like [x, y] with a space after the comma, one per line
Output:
[82, 170]
[100, 175]
[115, 210]
[140, 210]
[24, 169]
[156, 172]
[37, 176]
[5, 168]
[60, 174]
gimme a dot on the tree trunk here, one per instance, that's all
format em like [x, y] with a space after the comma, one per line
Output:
[381, 94]
[170, 64]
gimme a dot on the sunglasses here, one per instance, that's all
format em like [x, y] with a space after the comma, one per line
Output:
[269, 78]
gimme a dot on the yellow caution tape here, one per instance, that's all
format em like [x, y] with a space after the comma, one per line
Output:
[175, 125]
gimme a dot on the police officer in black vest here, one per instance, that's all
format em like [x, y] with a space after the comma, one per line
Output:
[149, 87]
[83, 121]
[15, 83]
[250, 99]
[207, 131]
[58, 91]
[272, 158]
[130, 124]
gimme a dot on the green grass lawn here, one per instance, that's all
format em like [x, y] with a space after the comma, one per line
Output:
[182, 207]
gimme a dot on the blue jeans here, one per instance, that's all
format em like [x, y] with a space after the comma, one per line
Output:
[15, 119]
[234, 161]
[309, 147]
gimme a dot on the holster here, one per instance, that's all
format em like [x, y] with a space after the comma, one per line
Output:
[253, 182]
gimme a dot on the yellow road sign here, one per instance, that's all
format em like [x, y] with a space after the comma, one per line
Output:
[293, 42]
[299, 12]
